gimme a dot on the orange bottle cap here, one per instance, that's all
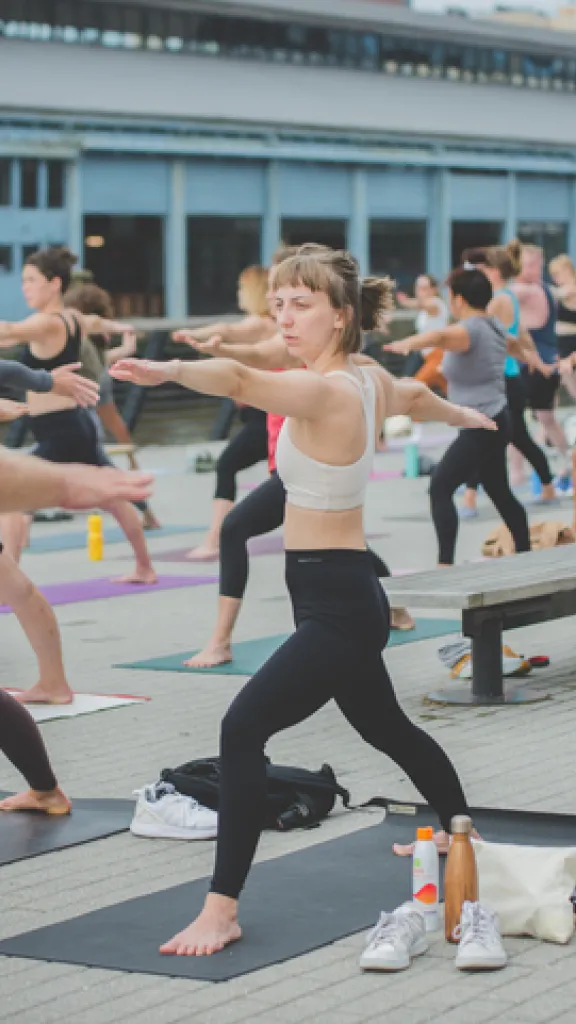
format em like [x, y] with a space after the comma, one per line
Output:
[425, 833]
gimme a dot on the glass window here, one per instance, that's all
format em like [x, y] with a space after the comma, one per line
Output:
[126, 256]
[29, 184]
[5, 182]
[469, 234]
[551, 236]
[6, 259]
[219, 248]
[56, 172]
[299, 230]
[28, 250]
[398, 248]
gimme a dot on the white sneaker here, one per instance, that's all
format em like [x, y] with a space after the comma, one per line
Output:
[395, 939]
[163, 813]
[480, 947]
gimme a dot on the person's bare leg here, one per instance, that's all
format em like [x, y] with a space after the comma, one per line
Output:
[215, 927]
[218, 650]
[14, 528]
[210, 547]
[128, 520]
[569, 382]
[553, 430]
[41, 628]
[470, 499]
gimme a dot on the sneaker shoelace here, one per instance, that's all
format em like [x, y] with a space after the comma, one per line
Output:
[390, 928]
[478, 925]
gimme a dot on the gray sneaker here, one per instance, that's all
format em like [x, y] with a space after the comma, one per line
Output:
[395, 939]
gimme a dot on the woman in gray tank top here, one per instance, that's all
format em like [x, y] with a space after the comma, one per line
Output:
[473, 366]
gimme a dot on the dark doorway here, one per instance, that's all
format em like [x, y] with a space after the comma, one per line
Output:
[299, 230]
[219, 249]
[471, 234]
[126, 256]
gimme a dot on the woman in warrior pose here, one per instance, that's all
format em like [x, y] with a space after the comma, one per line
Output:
[64, 432]
[333, 412]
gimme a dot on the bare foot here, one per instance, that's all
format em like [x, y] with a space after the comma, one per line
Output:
[203, 553]
[41, 693]
[138, 576]
[442, 840]
[548, 492]
[214, 928]
[53, 802]
[400, 618]
[212, 655]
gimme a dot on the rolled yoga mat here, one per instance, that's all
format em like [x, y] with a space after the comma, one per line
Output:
[28, 834]
[291, 905]
[95, 589]
[77, 539]
[250, 655]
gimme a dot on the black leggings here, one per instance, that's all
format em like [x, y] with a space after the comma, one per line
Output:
[485, 451]
[259, 512]
[342, 626]
[21, 742]
[249, 446]
[520, 436]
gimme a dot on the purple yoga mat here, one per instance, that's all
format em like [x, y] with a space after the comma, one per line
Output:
[268, 544]
[93, 590]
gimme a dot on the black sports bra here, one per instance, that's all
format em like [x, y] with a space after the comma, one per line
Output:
[565, 315]
[69, 354]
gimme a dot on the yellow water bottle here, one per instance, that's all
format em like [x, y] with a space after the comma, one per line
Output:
[95, 539]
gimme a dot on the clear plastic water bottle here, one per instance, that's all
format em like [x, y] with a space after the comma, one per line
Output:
[426, 877]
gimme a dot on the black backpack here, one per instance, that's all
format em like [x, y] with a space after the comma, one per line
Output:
[297, 798]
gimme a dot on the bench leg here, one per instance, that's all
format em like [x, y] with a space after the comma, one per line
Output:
[487, 681]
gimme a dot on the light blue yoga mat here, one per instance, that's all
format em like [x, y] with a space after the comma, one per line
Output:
[250, 655]
[77, 539]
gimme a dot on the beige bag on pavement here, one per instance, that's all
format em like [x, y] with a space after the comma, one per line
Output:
[542, 535]
[529, 887]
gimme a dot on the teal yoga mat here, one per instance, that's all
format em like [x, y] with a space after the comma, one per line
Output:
[249, 655]
[77, 539]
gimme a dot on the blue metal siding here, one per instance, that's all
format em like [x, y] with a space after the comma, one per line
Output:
[125, 185]
[543, 198]
[478, 197]
[225, 188]
[398, 192]
[314, 190]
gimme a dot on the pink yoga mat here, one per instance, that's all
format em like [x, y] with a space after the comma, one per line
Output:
[385, 474]
[93, 590]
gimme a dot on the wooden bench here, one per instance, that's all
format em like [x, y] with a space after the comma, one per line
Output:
[498, 594]
[123, 449]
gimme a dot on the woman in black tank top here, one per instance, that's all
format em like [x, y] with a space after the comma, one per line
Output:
[64, 432]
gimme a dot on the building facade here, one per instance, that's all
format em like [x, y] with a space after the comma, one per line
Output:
[171, 144]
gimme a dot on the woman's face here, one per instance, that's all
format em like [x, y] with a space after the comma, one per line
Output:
[307, 321]
[423, 290]
[38, 291]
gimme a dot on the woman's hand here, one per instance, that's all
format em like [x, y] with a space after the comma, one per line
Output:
[210, 347]
[12, 410]
[399, 348]
[145, 372]
[471, 419]
[94, 324]
[67, 383]
[92, 487]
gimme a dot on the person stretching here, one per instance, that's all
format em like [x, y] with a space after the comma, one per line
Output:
[474, 368]
[324, 457]
[28, 483]
[63, 431]
[501, 264]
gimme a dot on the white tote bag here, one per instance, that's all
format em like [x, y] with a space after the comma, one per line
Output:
[529, 887]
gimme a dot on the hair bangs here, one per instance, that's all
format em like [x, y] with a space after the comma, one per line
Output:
[306, 271]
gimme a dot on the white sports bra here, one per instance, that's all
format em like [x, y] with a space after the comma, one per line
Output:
[318, 485]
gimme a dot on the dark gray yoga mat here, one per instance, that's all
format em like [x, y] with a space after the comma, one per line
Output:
[28, 834]
[291, 905]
